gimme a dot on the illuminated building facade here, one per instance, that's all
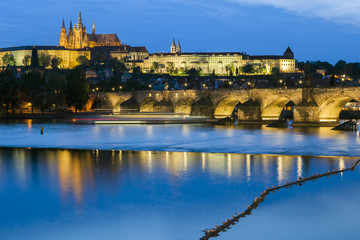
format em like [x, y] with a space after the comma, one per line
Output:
[68, 56]
[217, 62]
[77, 38]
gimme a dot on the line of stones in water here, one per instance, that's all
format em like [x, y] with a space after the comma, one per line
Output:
[214, 232]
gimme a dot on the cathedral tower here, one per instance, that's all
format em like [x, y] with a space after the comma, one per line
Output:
[173, 47]
[178, 47]
[93, 29]
[63, 35]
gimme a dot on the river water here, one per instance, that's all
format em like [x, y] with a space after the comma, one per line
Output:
[181, 180]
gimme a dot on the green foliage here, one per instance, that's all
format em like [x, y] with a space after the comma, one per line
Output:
[44, 60]
[118, 67]
[77, 89]
[261, 69]
[26, 60]
[8, 59]
[193, 72]
[154, 67]
[35, 88]
[9, 86]
[170, 67]
[133, 85]
[55, 62]
[83, 61]
[113, 84]
[56, 88]
[137, 71]
[339, 67]
[248, 68]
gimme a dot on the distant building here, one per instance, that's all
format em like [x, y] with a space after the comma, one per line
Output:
[220, 63]
[68, 56]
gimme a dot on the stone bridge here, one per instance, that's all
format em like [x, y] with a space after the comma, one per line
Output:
[313, 106]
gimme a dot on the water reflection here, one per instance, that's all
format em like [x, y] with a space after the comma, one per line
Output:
[77, 171]
[146, 187]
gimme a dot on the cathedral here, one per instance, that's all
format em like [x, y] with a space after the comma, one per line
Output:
[77, 37]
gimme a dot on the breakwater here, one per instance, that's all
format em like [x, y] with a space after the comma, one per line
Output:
[226, 225]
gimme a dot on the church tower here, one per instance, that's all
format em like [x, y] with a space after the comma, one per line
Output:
[70, 41]
[173, 47]
[93, 29]
[63, 35]
[178, 47]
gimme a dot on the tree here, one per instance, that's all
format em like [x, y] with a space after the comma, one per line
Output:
[56, 88]
[339, 67]
[34, 85]
[118, 67]
[26, 60]
[77, 89]
[133, 85]
[248, 68]
[193, 72]
[154, 67]
[44, 60]
[55, 62]
[9, 86]
[8, 59]
[137, 71]
[83, 61]
[261, 69]
[170, 67]
[113, 84]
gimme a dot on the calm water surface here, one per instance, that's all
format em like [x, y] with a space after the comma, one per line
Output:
[178, 186]
[72, 194]
[184, 138]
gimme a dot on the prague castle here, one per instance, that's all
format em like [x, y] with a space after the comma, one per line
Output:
[217, 62]
[77, 37]
[77, 42]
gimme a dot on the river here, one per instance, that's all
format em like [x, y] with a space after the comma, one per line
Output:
[172, 181]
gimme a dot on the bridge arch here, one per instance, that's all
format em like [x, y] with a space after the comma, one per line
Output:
[184, 106]
[330, 110]
[226, 107]
[272, 111]
[147, 105]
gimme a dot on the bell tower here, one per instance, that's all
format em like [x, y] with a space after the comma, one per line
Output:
[173, 47]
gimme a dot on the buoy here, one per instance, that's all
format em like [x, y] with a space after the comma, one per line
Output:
[42, 130]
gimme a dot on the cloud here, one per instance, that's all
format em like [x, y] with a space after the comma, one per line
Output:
[344, 11]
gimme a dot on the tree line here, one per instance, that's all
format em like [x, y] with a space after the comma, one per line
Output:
[44, 90]
[351, 69]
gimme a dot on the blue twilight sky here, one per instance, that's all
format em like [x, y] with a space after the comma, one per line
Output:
[327, 30]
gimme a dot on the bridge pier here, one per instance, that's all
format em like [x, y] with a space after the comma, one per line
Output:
[249, 113]
[307, 115]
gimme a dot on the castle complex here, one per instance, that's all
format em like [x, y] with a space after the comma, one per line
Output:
[77, 37]
[100, 47]
[217, 62]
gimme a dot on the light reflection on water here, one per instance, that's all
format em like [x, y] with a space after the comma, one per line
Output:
[162, 193]
[182, 138]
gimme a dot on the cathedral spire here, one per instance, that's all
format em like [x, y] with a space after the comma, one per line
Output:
[178, 47]
[63, 24]
[93, 28]
[79, 24]
[173, 47]
[70, 28]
